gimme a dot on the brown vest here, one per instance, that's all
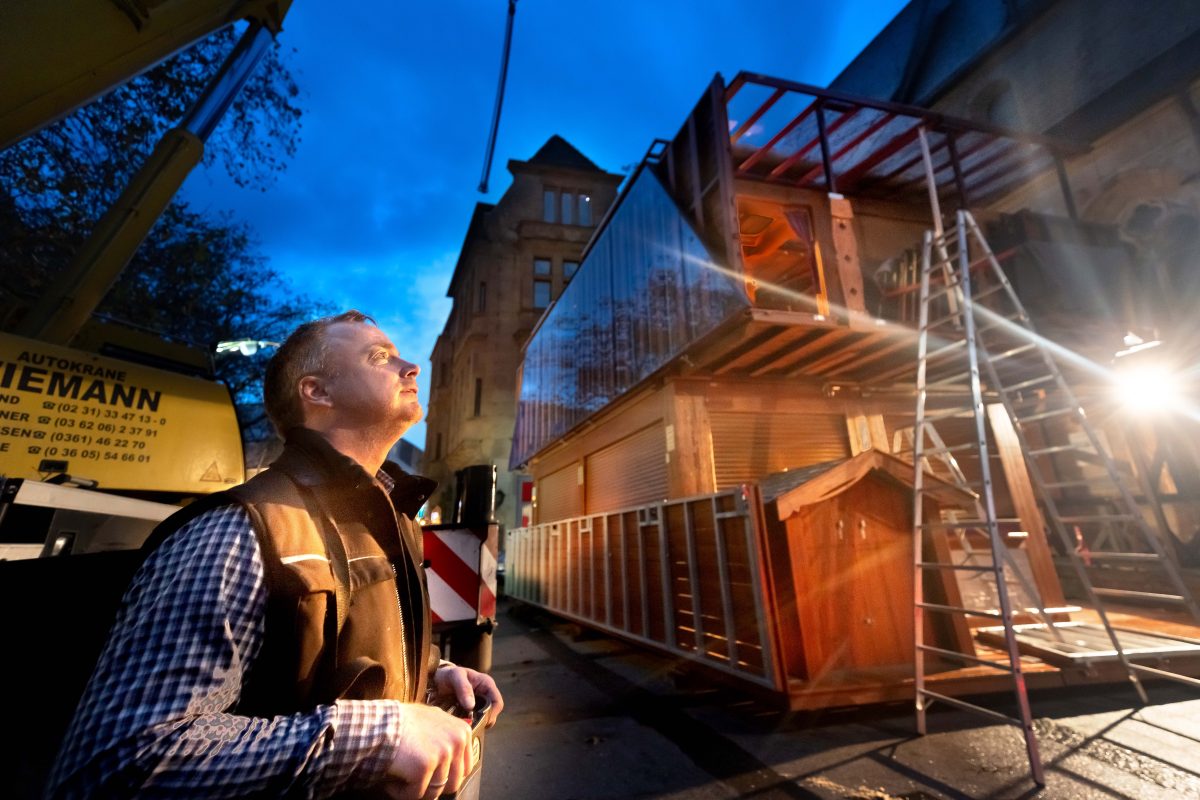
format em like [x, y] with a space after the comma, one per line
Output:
[347, 605]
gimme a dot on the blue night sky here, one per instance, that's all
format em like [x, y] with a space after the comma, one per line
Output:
[398, 99]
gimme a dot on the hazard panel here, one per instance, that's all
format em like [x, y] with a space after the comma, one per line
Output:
[461, 573]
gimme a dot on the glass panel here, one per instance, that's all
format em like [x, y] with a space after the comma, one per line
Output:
[585, 209]
[568, 208]
[647, 290]
[541, 294]
[541, 266]
[549, 204]
[569, 269]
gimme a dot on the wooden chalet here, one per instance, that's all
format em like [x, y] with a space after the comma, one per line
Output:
[722, 393]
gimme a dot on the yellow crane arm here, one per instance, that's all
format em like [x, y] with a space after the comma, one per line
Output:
[56, 56]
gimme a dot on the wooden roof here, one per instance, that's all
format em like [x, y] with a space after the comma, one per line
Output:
[795, 489]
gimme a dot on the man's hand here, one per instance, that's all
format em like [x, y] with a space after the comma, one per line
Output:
[464, 685]
[433, 753]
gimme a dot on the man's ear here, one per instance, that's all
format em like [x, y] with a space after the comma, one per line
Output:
[312, 391]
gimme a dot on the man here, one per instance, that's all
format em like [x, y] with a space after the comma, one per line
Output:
[276, 642]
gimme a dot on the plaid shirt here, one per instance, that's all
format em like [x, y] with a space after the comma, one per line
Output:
[154, 720]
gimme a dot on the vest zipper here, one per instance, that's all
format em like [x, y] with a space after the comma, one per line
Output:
[408, 686]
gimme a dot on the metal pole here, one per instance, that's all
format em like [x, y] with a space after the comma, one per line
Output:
[935, 205]
[491, 145]
[961, 184]
[1064, 183]
[826, 162]
[221, 91]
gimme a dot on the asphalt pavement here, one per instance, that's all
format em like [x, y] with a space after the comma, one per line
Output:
[590, 717]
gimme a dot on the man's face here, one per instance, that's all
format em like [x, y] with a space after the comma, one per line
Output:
[373, 386]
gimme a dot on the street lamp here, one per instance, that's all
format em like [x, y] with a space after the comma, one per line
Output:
[246, 347]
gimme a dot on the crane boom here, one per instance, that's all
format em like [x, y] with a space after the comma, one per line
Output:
[57, 56]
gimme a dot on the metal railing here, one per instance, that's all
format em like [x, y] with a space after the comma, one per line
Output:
[687, 577]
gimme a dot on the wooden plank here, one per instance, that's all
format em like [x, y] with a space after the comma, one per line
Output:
[858, 367]
[954, 626]
[691, 470]
[1041, 562]
[713, 349]
[849, 270]
[867, 431]
[775, 338]
[851, 351]
[816, 347]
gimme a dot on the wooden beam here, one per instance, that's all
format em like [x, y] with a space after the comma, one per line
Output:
[689, 443]
[867, 431]
[845, 249]
[1012, 460]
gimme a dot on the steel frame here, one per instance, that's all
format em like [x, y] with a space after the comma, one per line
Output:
[547, 570]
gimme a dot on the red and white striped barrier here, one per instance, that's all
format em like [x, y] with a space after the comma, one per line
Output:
[461, 573]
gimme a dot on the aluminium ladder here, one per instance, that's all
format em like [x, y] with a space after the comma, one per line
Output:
[1080, 488]
[1083, 492]
[958, 299]
[954, 473]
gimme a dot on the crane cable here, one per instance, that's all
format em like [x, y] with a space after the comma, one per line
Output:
[491, 145]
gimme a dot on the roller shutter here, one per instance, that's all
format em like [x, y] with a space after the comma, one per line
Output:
[747, 446]
[559, 495]
[629, 472]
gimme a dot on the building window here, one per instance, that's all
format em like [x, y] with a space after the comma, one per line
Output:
[541, 266]
[569, 269]
[541, 294]
[478, 395]
[568, 208]
[481, 298]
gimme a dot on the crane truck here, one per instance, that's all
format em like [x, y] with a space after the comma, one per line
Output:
[86, 406]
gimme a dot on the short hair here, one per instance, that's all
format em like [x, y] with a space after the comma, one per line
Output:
[304, 352]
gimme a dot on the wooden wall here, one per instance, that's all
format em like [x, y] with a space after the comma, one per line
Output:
[689, 437]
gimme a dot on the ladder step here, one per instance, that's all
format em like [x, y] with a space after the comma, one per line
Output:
[956, 448]
[1057, 412]
[947, 289]
[974, 612]
[946, 414]
[969, 523]
[964, 657]
[1129, 594]
[957, 567]
[1016, 387]
[1011, 352]
[941, 351]
[1069, 485]
[1079, 519]
[956, 286]
[1060, 448]
[939, 321]
[964, 705]
[1160, 673]
[953, 378]
[1015, 317]
[987, 292]
[1113, 556]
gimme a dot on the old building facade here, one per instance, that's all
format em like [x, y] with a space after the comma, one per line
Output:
[516, 258]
